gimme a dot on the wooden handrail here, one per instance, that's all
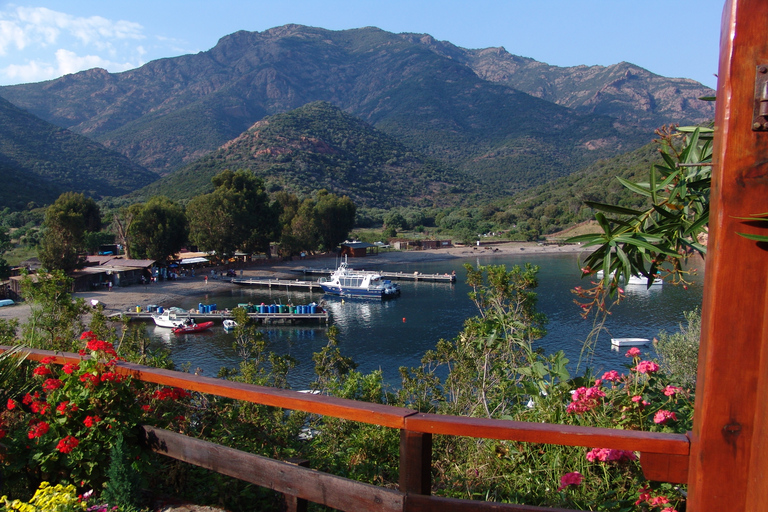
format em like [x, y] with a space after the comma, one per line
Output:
[664, 456]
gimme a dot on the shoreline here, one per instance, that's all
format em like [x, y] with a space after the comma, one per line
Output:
[167, 293]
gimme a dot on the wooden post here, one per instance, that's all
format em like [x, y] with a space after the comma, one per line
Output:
[415, 462]
[294, 503]
[729, 450]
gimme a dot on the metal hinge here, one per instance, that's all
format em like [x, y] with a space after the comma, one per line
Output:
[760, 117]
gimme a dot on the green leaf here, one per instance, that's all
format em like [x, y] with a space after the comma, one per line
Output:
[750, 236]
[609, 208]
[634, 187]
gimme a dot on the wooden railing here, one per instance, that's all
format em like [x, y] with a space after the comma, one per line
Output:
[663, 457]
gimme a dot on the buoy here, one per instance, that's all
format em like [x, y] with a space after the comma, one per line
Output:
[403, 319]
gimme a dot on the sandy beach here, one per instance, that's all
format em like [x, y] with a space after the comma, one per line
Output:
[169, 292]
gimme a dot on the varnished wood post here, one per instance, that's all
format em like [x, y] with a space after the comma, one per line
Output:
[415, 462]
[729, 454]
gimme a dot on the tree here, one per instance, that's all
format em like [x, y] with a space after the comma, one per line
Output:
[5, 244]
[237, 215]
[55, 320]
[335, 218]
[159, 229]
[67, 221]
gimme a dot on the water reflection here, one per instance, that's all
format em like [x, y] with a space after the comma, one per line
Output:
[397, 332]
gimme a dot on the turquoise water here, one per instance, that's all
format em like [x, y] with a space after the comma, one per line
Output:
[392, 333]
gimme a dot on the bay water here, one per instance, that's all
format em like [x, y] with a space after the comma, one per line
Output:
[397, 332]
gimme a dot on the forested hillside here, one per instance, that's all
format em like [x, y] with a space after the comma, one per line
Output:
[39, 161]
[318, 146]
[169, 112]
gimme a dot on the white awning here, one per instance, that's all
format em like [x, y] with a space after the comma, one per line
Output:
[190, 261]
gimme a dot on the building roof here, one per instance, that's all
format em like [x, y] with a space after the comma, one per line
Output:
[357, 245]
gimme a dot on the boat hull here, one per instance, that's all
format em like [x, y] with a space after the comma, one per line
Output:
[353, 292]
[189, 329]
[629, 342]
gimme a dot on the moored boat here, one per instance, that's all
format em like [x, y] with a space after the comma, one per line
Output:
[229, 324]
[189, 326]
[171, 318]
[629, 342]
[346, 282]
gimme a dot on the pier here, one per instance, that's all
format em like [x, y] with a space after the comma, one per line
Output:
[401, 276]
[321, 316]
[278, 283]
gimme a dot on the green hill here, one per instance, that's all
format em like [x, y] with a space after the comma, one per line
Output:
[39, 161]
[319, 146]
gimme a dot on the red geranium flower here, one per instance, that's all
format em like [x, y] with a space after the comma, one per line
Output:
[41, 371]
[67, 444]
[11, 404]
[39, 429]
[90, 421]
[51, 384]
[69, 368]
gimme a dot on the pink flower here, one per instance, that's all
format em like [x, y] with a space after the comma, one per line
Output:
[668, 509]
[659, 500]
[609, 455]
[633, 352]
[567, 479]
[612, 376]
[662, 416]
[646, 367]
[672, 390]
[585, 399]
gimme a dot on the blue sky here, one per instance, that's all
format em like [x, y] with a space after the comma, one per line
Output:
[42, 40]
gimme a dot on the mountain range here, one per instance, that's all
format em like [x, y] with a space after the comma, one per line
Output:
[454, 121]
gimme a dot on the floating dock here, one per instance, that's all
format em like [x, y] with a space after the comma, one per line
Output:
[278, 283]
[321, 316]
[403, 276]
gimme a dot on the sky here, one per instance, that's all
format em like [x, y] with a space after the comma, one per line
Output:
[43, 40]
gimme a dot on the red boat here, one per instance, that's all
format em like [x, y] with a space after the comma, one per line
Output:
[191, 327]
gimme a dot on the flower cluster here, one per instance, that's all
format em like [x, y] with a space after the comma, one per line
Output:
[574, 478]
[609, 455]
[47, 497]
[77, 413]
[646, 497]
[586, 399]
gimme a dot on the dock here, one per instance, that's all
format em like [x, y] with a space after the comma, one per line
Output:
[400, 276]
[322, 317]
[278, 283]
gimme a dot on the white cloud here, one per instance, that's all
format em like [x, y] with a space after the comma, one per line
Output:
[69, 62]
[32, 71]
[37, 43]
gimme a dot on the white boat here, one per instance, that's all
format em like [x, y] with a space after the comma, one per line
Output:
[635, 279]
[347, 282]
[229, 324]
[173, 317]
[629, 342]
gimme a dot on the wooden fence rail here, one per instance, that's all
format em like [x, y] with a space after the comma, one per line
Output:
[663, 457]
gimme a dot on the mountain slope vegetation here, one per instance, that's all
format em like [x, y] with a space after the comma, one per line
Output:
[39, 161]
[319, 146]
[169, 112]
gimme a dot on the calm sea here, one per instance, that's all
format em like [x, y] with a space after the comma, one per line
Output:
[388, 334]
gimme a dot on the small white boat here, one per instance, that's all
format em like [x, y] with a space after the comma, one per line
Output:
[636, 280]
[346, 282]
[171, 318]
[229, 324]
[629, 342]
[6, 302]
